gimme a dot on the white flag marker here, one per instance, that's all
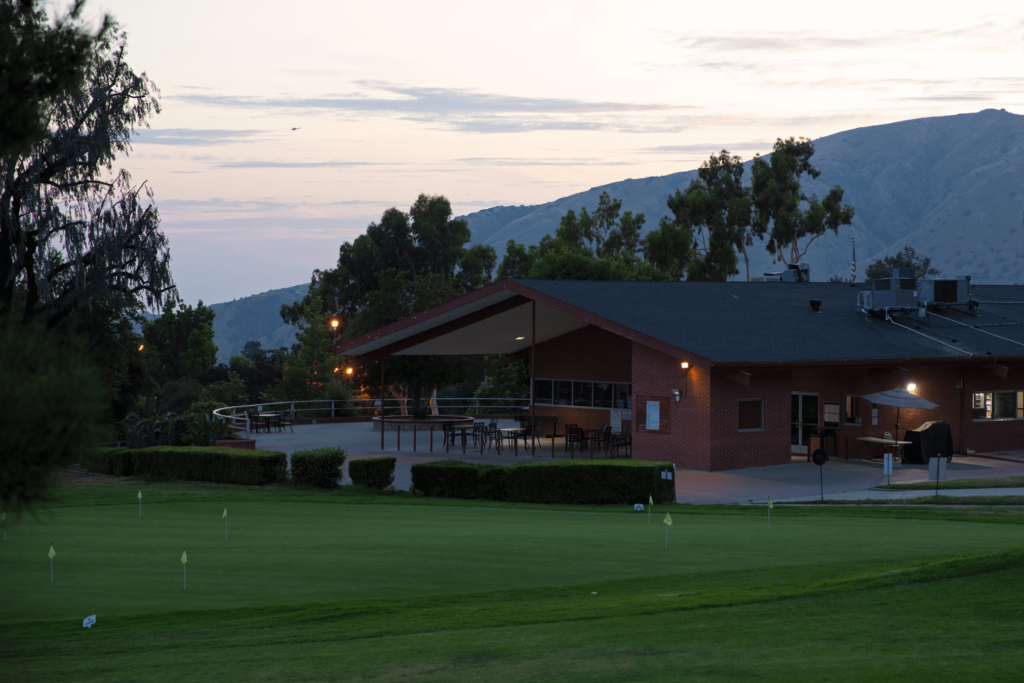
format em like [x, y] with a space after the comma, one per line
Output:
[225, 518]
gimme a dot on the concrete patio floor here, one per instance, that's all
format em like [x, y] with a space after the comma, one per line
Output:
[793, 482]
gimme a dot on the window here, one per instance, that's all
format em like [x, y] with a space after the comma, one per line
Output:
[851, 410]
[542, 391]
[751, 414]
[563, 392]
[583, 394]
[998, 405]
[831, 414]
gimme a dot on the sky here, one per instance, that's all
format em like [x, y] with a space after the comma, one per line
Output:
[498, 104]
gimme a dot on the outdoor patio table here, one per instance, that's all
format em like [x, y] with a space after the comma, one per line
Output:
[513, 434]
[268, 418]
[887, 442]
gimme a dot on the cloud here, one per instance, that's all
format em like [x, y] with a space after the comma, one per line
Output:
[293, 164]
[516, 161]
[459, 109]
[705, 148]
[195, 137]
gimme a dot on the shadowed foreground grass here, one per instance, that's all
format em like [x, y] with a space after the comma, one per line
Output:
[990, 483]
[351, 586]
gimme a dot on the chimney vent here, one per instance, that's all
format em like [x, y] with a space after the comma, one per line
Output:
[816, 305]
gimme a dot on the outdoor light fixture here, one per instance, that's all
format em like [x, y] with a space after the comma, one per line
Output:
[520, 338]
[334, 323]
[348, 371]
[911, 387]
[335, 369]
[676, 393]
[685, 365]
[141, 346]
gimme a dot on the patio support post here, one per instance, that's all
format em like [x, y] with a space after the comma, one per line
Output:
[533, 365]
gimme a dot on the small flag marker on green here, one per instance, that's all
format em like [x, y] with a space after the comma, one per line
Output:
[225, 518]
[51, 554]
[650, 504]
[184, 570]
[140, 502]
[668, 523]
[770, 506]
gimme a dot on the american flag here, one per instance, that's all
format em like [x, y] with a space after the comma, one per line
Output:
[853, 265]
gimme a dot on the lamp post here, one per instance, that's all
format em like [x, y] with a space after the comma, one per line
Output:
[334, 329]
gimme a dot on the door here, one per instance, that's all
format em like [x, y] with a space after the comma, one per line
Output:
[803, 418]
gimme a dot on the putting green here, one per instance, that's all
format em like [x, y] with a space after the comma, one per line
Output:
[109, 561]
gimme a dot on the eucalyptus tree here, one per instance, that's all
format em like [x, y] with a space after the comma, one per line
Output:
[779, 201]
[75, 232]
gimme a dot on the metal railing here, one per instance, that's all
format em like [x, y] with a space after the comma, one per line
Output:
[317, 408]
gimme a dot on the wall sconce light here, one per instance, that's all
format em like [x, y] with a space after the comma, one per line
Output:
[348, 371]
[520, 338]
[676, 393]
[685, 365]
[334, 323]
[911, 387]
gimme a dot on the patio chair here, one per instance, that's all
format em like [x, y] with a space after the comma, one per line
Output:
[622, 441]
[478, 432]
[603, 438]
[492, 435]
[568, 430]
[254, 421]
[287, 419]
[577, 437]
[448, 429]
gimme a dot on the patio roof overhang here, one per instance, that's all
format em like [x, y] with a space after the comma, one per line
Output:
[497, 318]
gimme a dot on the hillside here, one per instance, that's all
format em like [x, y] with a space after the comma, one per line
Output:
[952, 187]
[254, 318]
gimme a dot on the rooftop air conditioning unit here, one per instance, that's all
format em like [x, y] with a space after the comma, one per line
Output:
[944, 291]
[795, 272]
[894, 292]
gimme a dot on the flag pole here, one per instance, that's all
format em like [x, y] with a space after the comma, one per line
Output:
[666, 537]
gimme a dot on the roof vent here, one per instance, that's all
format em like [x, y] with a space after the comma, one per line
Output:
[816, 305]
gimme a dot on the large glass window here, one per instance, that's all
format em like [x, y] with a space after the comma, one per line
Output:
[831, 414]
[542, 391]
[623, 396]
[563, 392]
[996, 405]
[583, 394]
[603, 394]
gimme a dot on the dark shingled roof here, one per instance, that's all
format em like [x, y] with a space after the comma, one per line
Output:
[755, 322]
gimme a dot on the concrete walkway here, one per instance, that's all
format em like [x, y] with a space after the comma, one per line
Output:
[793, 482]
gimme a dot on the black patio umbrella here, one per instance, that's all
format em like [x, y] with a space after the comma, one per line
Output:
[900, 398]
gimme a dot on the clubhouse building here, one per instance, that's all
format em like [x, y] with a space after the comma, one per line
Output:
[724, 375]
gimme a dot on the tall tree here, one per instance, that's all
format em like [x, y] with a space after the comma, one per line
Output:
[905, 258]
[779, 200]
[181, 340]
[75, 232]
[425, 241]
[715, 210]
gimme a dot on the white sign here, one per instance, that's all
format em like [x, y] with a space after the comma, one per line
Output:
[616, 417]
[937, 468]
[89, 621]
[653, 416]
[887, 465]
[639, 507]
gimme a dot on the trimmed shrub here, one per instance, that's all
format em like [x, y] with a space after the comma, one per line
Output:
[458, 479]
[374, 473]
[224, 465]
[590, 482]
[318, 466]
[578, 482]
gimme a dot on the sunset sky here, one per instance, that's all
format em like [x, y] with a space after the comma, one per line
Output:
[511, 103]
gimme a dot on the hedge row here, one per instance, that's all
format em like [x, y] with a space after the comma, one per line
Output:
[374, 473]
[318, 466]
[579, 482]
[224, 465]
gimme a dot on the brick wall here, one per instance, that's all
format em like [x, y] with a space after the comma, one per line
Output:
[731, 448]
[688, 444]
[588, 353]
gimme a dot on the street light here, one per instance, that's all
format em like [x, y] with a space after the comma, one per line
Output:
[334, 328]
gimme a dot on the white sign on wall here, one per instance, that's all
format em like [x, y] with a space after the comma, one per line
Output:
[653, 416]
[616, 418]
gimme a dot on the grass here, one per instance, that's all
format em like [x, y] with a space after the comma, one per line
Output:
[351, 586]
[993, 483]
[987, 502]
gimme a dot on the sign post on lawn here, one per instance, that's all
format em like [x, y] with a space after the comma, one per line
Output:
[668, 523]
[820, 457]
[140, 502]
[51, 554]
[225, 518]
[184, 570]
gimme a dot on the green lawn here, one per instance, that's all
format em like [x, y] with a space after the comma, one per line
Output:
[329, 586]
[991, 483]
